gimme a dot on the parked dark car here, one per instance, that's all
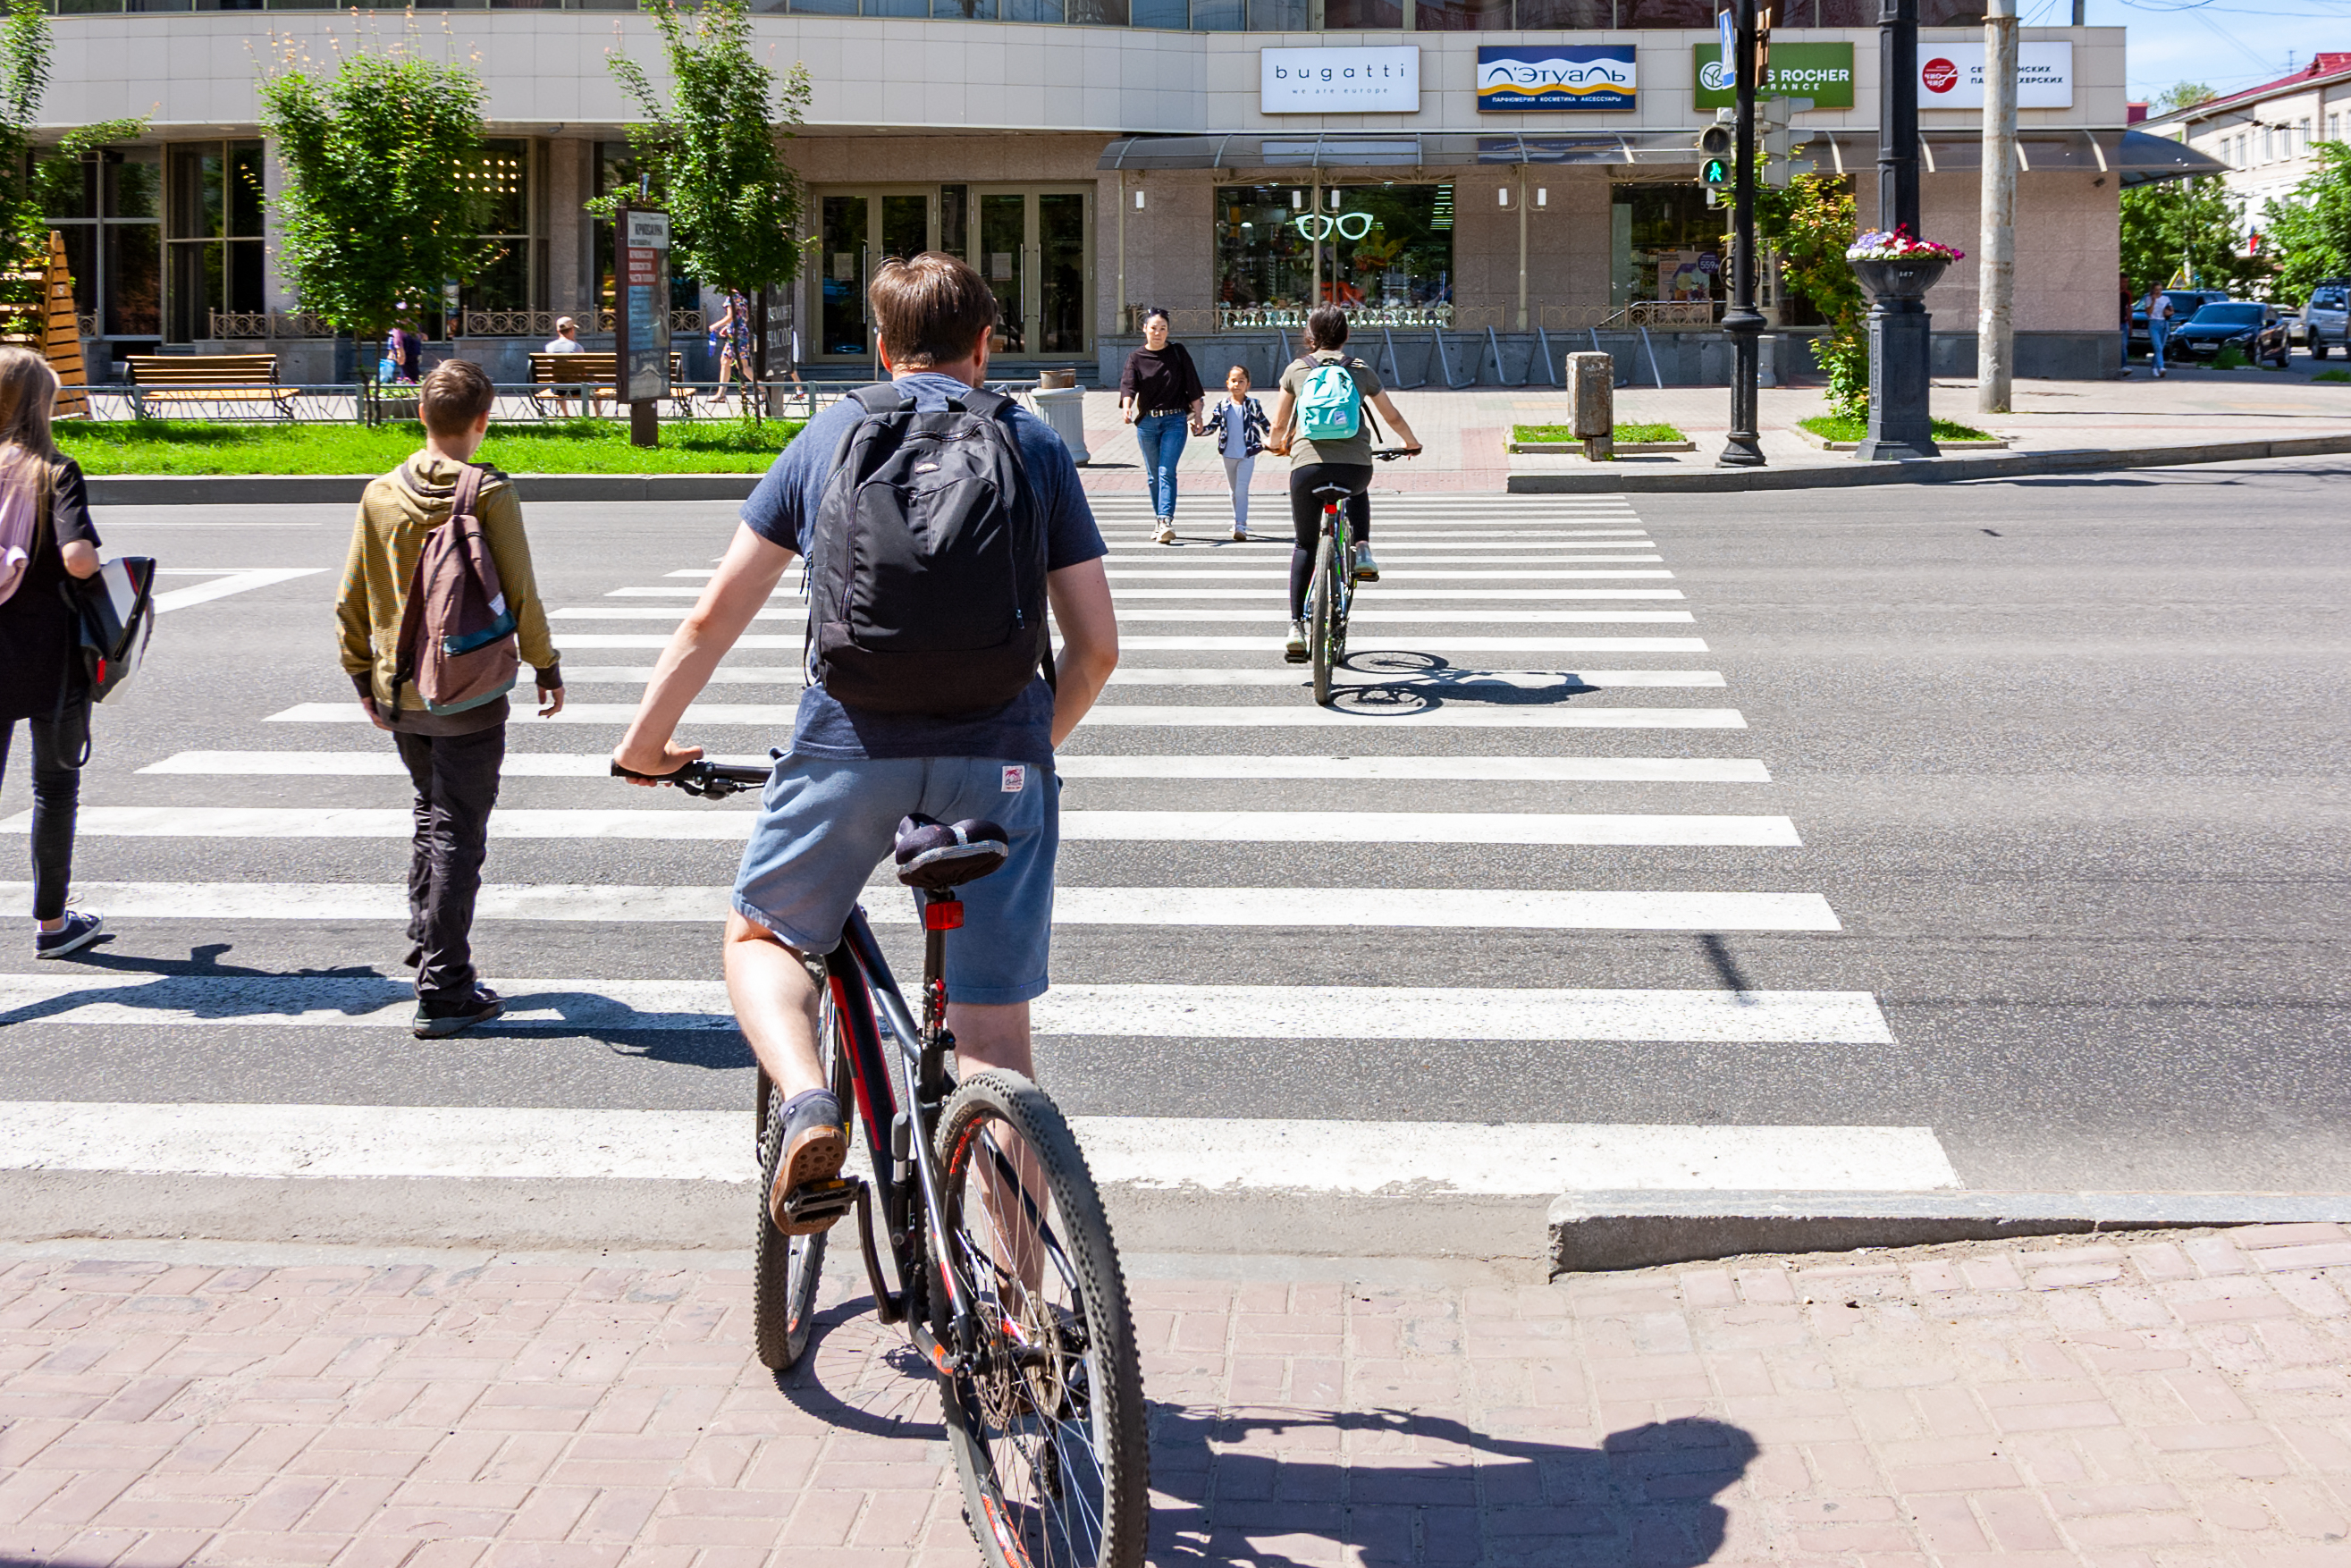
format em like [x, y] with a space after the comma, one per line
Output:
[2185, 303]
[2253, 330]
[2326, 319]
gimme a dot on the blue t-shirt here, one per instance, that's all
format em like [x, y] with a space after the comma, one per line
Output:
[783, 509]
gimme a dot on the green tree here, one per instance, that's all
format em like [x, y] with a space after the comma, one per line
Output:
[2181, 95]
[2188, 230]
[715, 151]
[34, 181]
[1810, 222]
[381, 203]
[2309, 232]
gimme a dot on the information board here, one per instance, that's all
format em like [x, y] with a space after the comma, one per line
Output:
[645, 306]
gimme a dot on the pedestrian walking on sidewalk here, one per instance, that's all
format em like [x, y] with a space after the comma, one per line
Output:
[2158, 325]
[453, 752]
[1160, 394]
[1240, 427]
[46, 537]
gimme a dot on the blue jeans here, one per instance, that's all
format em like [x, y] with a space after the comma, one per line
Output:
[1162, 438]
[2157, 331]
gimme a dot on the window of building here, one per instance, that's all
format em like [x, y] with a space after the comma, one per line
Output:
[2335, 128]
[1384, 252]
[1665, 243]
[213, 233]
[514, 277]
[107, 221]
[2303, 127]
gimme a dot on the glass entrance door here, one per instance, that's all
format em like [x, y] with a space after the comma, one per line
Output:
[1033, 246]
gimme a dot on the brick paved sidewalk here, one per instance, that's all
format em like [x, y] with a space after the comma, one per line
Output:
[2155, 1401]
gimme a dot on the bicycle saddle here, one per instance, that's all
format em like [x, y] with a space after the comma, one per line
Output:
[933, 855]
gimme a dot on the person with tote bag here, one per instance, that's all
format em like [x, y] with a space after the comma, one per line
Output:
[47, 542]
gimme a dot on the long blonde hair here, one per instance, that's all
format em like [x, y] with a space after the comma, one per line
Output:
[28, 390]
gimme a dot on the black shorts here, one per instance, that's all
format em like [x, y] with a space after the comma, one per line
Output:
[1306, 506]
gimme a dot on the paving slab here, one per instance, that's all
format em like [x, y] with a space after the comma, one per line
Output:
[2162, 1398]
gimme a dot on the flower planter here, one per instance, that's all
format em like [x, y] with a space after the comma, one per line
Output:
[1900, 280]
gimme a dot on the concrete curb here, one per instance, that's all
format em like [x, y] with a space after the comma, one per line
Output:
[344, 489]
[1593, 1232]
[662, 1216]
[1929, 470]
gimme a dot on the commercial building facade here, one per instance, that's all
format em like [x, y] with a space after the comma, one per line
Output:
[1469, 184]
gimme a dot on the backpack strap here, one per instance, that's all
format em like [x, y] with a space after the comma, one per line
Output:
[885, 397]
[468, 493]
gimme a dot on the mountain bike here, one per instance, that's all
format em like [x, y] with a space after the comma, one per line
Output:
[1331, 594]
[1009, 1283]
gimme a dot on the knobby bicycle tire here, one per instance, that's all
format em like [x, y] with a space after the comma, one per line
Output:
[1324, 611]
[1046, 1422]
[785, 1269]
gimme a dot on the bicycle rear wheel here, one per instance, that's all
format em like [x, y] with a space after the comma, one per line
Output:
[1321, 615]
[785, 1269]
[1046, 1420]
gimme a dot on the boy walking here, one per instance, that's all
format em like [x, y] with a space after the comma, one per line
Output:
[453, 758]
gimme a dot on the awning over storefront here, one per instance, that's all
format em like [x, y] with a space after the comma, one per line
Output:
[2136, 156]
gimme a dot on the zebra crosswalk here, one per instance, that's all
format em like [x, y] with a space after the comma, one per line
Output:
[1465, 786]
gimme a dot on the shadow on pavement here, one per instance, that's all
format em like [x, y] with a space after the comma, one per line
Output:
[1393, 683]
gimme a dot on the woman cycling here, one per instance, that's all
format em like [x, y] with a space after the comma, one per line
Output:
[42, 680]
[1316, 463]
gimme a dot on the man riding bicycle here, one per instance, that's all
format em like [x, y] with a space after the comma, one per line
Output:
[920, 504]
[1313, 425]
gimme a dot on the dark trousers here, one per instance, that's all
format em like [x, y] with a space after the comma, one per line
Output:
[457, 779]
[1306, 518]
[60, 747]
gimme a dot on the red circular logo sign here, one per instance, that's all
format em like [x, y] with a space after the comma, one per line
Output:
[1940, 74]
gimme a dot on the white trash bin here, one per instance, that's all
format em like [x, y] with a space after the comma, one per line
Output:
[1062, 403]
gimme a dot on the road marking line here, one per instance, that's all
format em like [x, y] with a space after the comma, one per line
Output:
[1140, 1012]
[482, 1143]
[1402, 908]
[1422, 642]
[734, 823]
[1123, 594]
[595, 765]
[236, 582]
[1446, 679]
[780, 715]
[1462, 617]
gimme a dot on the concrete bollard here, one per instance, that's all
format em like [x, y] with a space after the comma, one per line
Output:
[1062, 403]
[1592, 394]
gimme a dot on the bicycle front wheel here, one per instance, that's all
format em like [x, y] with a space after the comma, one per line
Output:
[1323, 616]
[785, 1269]
[1046, 1420]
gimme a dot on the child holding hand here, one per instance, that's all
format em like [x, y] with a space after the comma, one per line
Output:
[1240, 427]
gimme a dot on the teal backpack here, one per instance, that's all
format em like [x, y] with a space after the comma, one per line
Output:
[1331, 404]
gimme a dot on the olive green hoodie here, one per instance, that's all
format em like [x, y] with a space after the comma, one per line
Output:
[398, 510]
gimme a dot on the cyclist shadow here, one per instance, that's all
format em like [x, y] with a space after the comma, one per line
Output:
[1269, 1488]
[1388, 682]
[861, 1375]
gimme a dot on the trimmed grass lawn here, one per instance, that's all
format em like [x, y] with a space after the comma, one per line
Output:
[572, 446]
[2332, 376]
[1624, 432]
[1829, 427]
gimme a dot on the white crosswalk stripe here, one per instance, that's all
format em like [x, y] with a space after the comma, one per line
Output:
[1501, 584]
[1077, 827]
[1382, 908]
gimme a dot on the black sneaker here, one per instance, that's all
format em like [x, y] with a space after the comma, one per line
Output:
[78, 932]
[816, 1146]
[436, 1019]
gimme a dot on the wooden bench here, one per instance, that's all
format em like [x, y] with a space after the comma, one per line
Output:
[590, 375]
[173, 380]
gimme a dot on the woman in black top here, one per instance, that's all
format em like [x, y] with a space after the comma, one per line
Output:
[42, 680]
[1160, 394]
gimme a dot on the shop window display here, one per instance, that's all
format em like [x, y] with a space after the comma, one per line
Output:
[1668, 252]
[1384, 252]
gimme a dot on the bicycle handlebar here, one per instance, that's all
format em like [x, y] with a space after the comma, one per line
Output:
[710, 781]
[1390, 454]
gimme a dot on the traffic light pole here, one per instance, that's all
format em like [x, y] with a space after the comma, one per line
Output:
[1743, 449]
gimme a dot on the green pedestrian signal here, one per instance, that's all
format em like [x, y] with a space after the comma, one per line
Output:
[1714, 173]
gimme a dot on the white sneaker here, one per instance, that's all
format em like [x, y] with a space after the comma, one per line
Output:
[1295, 649]
[1167, 533]
[1241, 532]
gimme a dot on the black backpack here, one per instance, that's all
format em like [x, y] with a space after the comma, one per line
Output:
[926, 563]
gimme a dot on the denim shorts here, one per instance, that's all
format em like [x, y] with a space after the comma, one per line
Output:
[826, 823]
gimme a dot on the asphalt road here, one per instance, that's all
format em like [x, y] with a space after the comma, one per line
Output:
[2064, 756]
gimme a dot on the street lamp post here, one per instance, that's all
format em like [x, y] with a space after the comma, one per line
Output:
[1900, 425]
[1742, 449]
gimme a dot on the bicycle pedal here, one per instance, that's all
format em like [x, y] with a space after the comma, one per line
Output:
[821, 1200]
